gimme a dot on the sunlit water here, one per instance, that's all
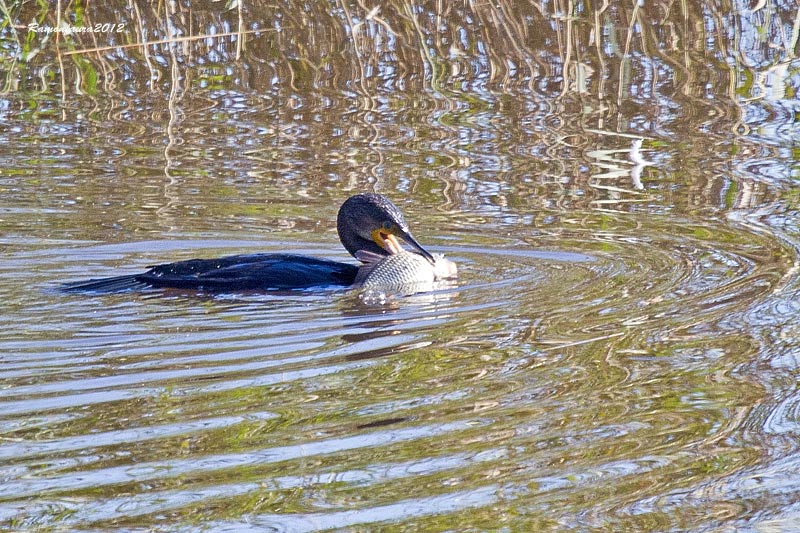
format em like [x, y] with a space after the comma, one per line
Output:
[614, 359]
[620, 352]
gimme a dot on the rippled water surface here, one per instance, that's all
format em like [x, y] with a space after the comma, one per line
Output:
[620, 353]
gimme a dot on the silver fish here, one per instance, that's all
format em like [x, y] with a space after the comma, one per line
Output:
[403, 271]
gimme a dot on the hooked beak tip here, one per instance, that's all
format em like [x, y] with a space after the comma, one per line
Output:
[418, 247]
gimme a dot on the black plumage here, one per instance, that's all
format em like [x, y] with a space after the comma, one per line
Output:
[366, 222]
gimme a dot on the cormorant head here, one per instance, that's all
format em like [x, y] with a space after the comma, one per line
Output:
[371, 222]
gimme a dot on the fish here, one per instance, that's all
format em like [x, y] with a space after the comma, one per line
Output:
[403, 271]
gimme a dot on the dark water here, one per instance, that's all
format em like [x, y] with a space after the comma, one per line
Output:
[616, 184]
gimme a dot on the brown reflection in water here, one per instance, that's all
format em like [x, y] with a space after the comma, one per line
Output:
[599, 395]
[626, 51]
[317, 97]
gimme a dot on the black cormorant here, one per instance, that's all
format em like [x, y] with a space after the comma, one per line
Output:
[369, 225]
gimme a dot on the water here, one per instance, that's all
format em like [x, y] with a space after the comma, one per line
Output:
[620, 352]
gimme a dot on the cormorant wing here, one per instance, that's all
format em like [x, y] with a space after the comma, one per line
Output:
[278, 271]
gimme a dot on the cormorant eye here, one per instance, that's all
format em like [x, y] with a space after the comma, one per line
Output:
[387, 225]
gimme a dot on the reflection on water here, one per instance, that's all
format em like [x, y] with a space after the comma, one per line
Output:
[616, 184]
[169, 403]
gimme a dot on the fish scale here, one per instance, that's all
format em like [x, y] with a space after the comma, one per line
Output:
[403, 269]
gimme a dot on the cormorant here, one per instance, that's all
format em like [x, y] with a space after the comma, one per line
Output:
[369, 225]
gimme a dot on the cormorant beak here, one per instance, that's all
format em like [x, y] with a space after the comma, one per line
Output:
[417, 246]
[387, 239]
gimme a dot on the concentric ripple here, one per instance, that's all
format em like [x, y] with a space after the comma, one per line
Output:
[563, 364]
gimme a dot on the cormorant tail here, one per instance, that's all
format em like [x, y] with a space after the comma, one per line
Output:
[126, 283]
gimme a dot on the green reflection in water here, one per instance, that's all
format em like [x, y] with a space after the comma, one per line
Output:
[642, 388]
